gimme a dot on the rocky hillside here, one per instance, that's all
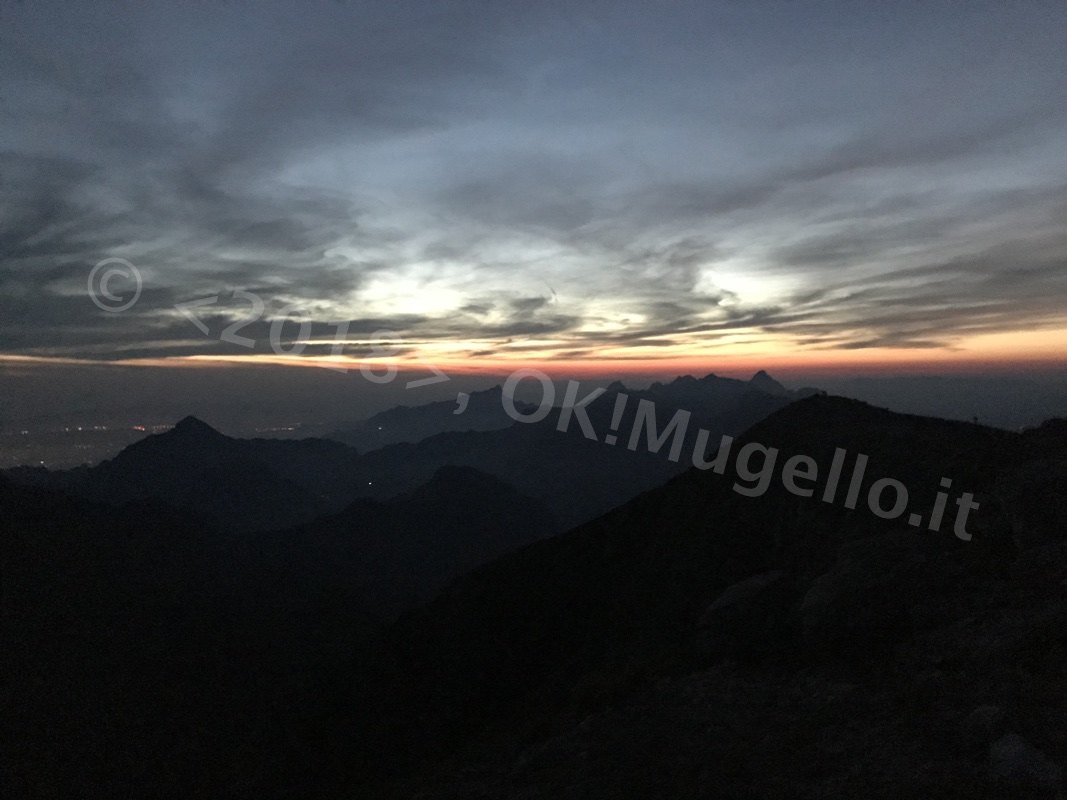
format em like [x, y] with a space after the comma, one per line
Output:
[700, 643]
[720, 636]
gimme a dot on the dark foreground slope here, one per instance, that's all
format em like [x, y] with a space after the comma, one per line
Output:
[699, 643]
[693, 643]
[383, 556]
[144, 652]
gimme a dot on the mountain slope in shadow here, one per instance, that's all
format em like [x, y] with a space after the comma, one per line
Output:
[772, 601]
[483, 412]
[144, 652]
[694, 642]
[267, 484]
[578, 473]
[383, 556]
[240, 484]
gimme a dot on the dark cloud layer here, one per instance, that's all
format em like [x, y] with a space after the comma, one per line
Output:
[598, 175]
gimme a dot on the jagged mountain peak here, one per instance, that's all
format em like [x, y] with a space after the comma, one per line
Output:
[765, 383]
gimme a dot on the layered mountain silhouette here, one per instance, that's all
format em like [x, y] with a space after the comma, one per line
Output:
[254, 484]
[241, 484]
[693, 642]
[483, 411]
[778, 625]
[141, 640]
[383, 556]
[577, 477]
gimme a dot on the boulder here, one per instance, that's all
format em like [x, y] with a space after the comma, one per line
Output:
[750, 619]
[866, 596]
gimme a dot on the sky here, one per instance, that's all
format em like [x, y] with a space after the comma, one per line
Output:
[588, 187]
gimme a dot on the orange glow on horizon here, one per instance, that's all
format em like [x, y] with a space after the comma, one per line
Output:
[1035, 351]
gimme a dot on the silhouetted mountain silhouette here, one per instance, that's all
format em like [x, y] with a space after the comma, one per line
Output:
[142, 643]
[578, 478]
[634, 598]
[763, 382]
[483, 412]
[190, 429]
[240, 484]
[252, 484]
[692, 641]
[385, 556]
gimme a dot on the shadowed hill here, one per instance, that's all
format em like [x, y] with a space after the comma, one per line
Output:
[261, 484]
[241, 484]
[694, 642]
[384, 556]
[483, 412]
[578, 477]
[579, 623]
[142, 651]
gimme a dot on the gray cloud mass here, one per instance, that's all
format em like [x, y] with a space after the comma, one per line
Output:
[602, 175]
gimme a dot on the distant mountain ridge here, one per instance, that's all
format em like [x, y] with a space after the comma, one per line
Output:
[693, 642]
[579, 478]
[691, 582]
[243, 484]
[484, 411]
[263, 484]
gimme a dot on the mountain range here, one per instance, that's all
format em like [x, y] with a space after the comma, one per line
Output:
[691, 642]
[482, 411]
[259, 484]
